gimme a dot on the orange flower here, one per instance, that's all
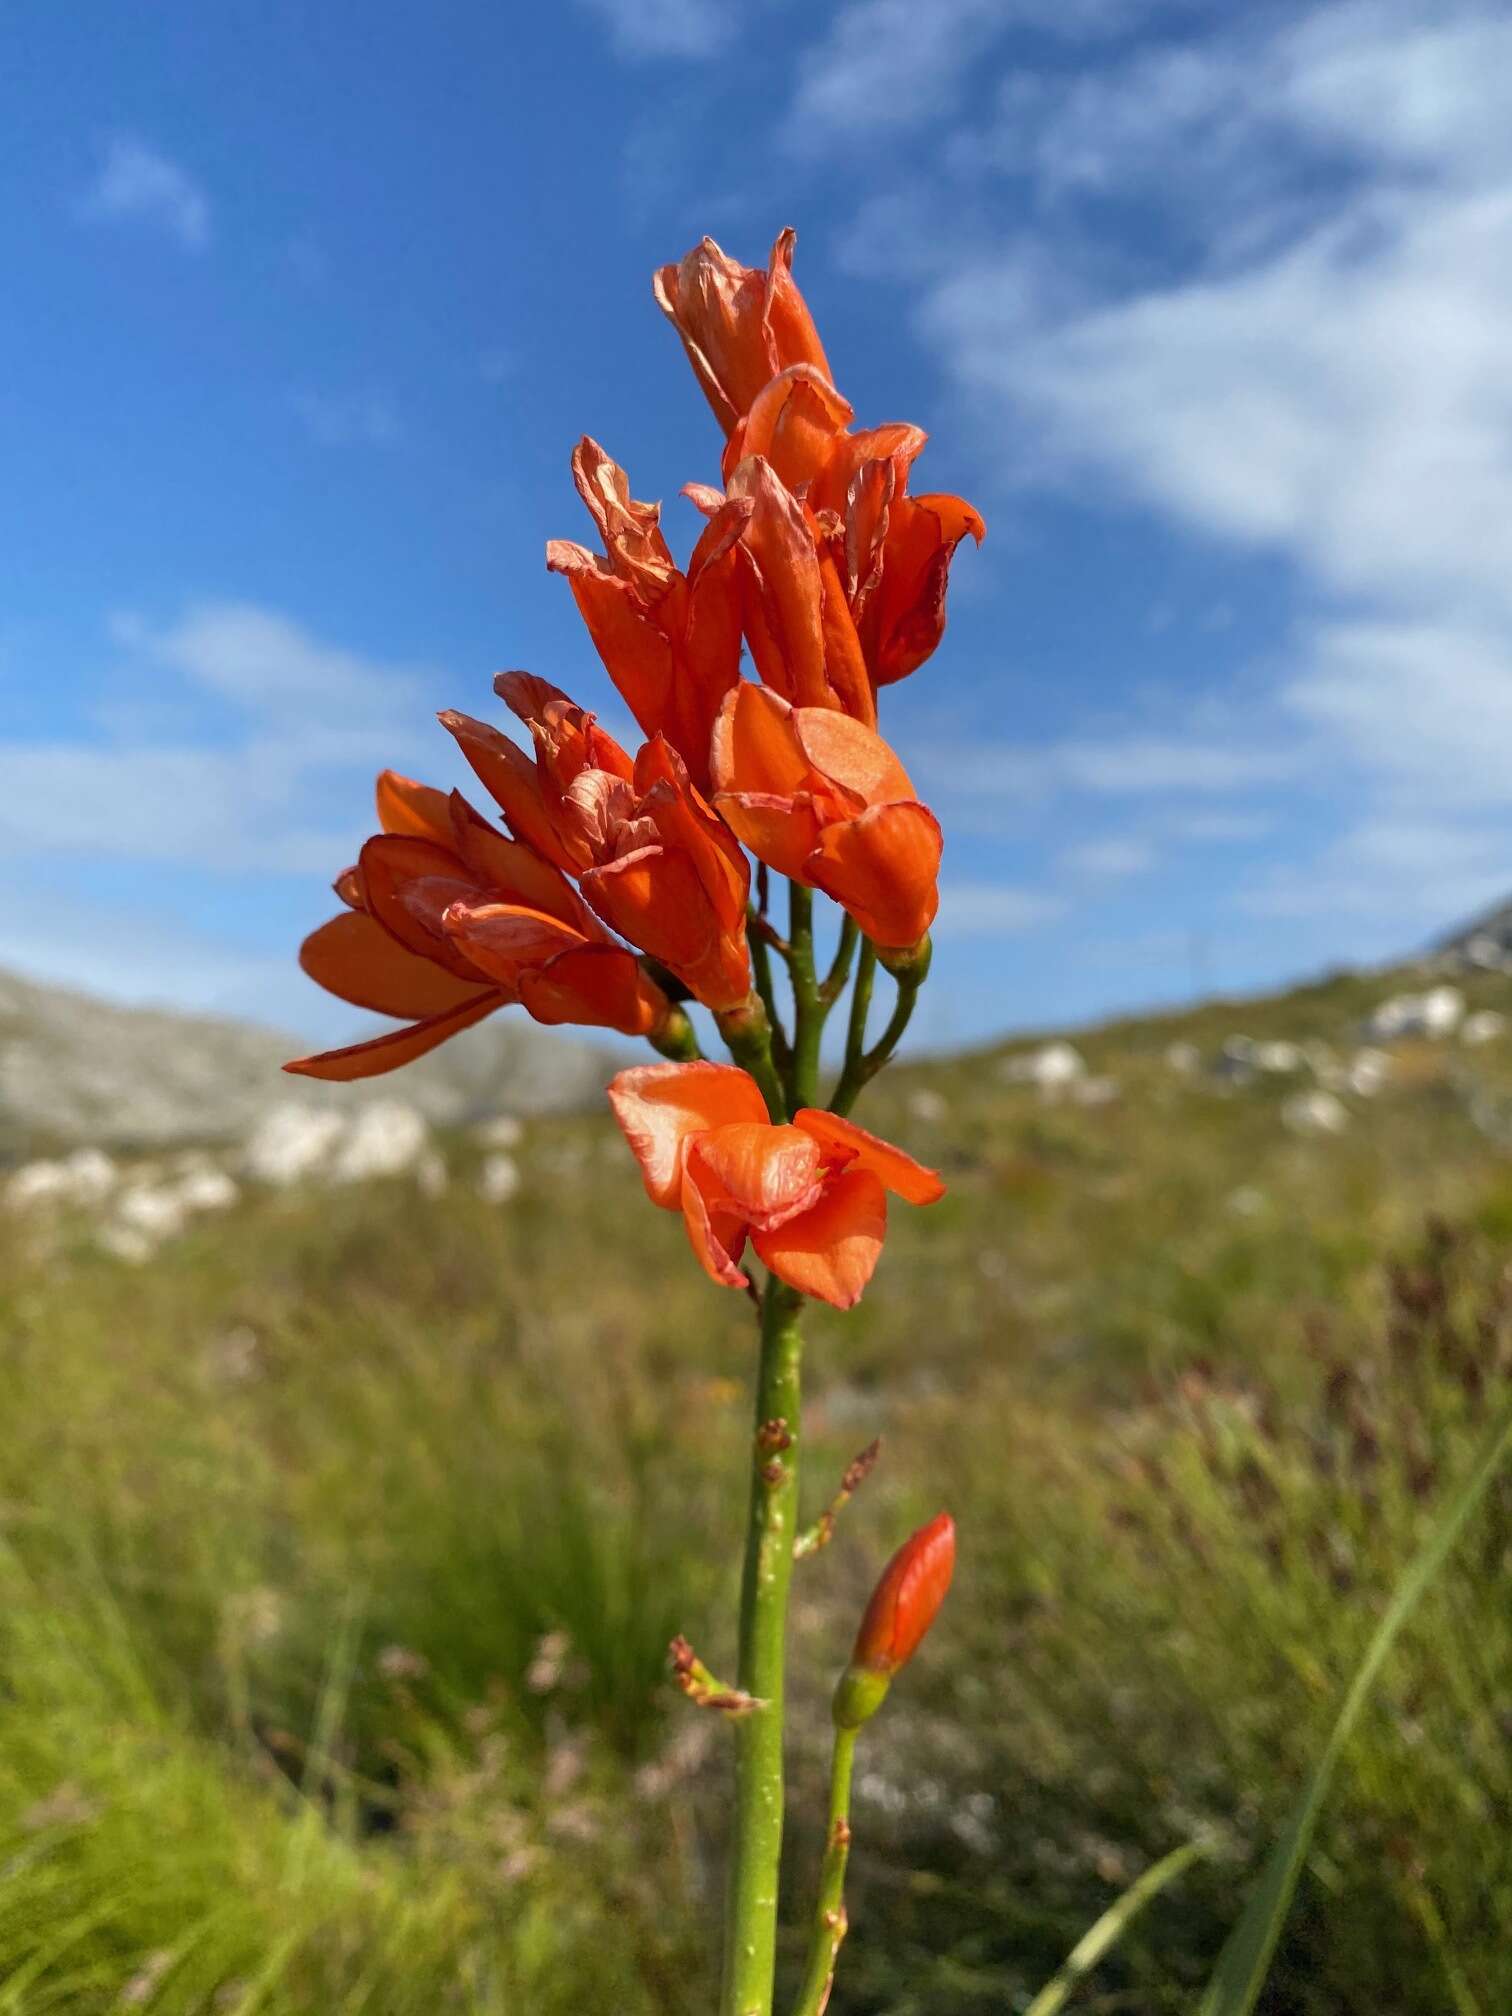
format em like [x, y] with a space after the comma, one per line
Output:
[820, 798]
[907, 1598]
[650, 856]
[811, 1197]
[739, 326]
[669, 641]
[667, 875]
[904, 1604]
[448, 920]
[568, 741]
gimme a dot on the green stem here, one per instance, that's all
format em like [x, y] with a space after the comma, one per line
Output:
[839, 972]
[748, 1037]
[829, 1919]
[861, 1066]
[809, 1007]
[751, 1907]
[851, 1079]
[761, 966]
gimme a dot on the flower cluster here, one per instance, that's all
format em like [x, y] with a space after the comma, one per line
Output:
[619, 886]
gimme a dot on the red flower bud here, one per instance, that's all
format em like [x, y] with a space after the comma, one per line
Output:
[902, 1608]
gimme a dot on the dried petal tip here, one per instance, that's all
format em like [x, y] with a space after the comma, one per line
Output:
[904, 1604]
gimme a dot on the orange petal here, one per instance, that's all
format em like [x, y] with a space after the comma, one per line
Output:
[658, 1106]
[400, 1046]
[631, 531]
[599, 986]
[760, 1173]
[788, 643]
[756, 747]
[355, 959]
[416, 809]
[782, 832]
[348, 886]
[512, 781]
[739, 326]
[717, 1237]
[830, 1251]
[514, 871]
[896, 1171]
[794, 422]
[409, 885]
[850, 754]
[882, 868]
[635, 654]
[906, 619]
[500, 939]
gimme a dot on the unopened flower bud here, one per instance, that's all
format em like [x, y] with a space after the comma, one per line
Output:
[902, 1608]
[910, 966]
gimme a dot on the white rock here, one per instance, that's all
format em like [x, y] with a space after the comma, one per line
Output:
[1484, 1026]
[1183, 1058]
[498, 1179]
[1094, 1091]
[1052, 1067]
[928, 1105]
[1367, 1072]
[1486, 953]
[79, 1181]
[290, 1143]
[1437, 1013]
[126, 1243]
[430, 1174]
[502, 1131]
[206, 1190]
[1280, 1058]
[156, 1214]
[1246, 1201]
[1314, 1113]
[385, 1139]
[1235, 1062]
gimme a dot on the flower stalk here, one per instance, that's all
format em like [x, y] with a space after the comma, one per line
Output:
[830, 1923]
[756, 1849]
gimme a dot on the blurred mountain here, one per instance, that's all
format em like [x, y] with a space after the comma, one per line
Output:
[1486, 941]
[75, 1068]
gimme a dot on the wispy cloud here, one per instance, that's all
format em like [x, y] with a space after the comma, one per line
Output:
[281, 732]
[646, 28]
[1110, 860]
[993, 910]
[365, 418]
[137, 183]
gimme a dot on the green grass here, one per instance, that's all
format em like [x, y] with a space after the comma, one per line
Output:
[340, 1546]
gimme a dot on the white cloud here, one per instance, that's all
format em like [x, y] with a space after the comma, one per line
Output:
[363, 419]
[138, 183]
[992, 910]
[1110, 860]
[646, 28]
[281, 785]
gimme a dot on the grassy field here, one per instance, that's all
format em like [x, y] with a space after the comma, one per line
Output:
[340, 1546]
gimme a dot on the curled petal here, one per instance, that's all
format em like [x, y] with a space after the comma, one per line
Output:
[794, 422]
[501, 939]
[512, 781]
[409, 885]
[418, 810]
[717, 1237]
[762, 1174]
[514, 871]
[782, 832]
[830, 1250]
[658, 1106]
[567, 738]
[355, 959]
[399, 1046]
[849, 754]
[882, 867]
[896, 1171]
[906, 616]
[598, 986]
[348, 886]
[739, 326]
[631, 532]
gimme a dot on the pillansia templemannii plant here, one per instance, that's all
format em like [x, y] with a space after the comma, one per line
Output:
[618, 891]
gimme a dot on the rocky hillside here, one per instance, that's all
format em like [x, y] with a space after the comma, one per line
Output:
[74, 1068]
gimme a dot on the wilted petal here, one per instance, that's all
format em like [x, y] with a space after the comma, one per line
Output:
[658, 1106]
[794, 422]
[409, 885]
[896, 1171]
[402, 1046]
[831, 1250]
[502, 938]
[882, 868]
[717, 1237]
[739, 326]
[355, 959]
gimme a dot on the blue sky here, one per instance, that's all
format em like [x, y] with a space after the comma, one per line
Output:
[1207, 308]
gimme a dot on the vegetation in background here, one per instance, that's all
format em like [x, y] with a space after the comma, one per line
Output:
[339, 1552]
